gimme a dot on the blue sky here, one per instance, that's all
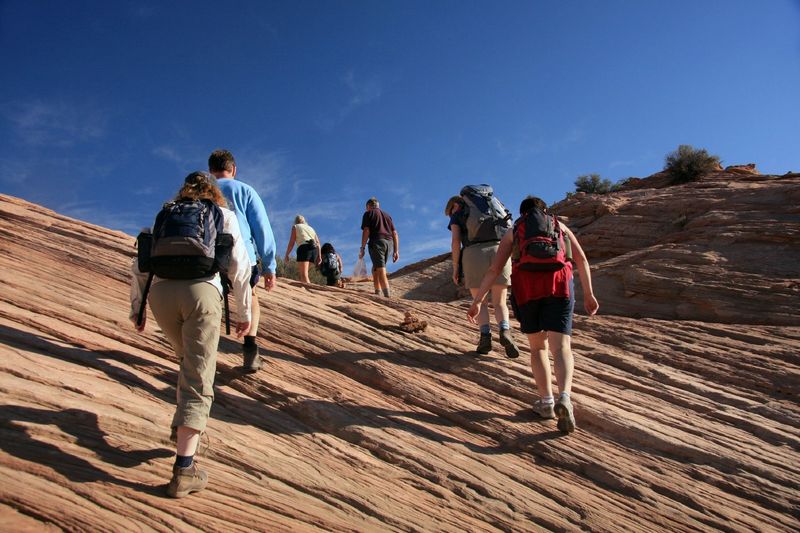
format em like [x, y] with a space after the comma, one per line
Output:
[106, 106]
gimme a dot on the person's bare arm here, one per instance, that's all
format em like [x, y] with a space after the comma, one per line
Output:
[292, 239]
[396, 242]
[584, 272]
[364, 237]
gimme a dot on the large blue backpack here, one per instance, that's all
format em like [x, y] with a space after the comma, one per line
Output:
[487, 219]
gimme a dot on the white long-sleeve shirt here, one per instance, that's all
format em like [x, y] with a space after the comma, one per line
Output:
[238, 272]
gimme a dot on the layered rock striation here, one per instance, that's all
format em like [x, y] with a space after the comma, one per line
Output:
[354, 424]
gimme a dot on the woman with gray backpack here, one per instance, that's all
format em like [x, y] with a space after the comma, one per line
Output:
[478, 220]
[193, 252]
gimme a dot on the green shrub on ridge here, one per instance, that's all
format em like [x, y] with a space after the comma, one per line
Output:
[688, 163]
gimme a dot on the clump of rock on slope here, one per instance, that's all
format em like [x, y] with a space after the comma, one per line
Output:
[724, 248]
[355, 424]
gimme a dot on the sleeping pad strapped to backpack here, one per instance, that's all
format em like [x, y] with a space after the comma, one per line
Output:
[487, 219]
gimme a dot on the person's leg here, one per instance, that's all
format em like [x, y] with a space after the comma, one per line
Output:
[540, 364]
[557, 321]
[564, 364]
[485, 341]
[563, 361]
[499, 301]
[302, 268]
[188, 439]
[190, 313]
[255, 314]
[378, 253]
[251, 360]
[384, 281]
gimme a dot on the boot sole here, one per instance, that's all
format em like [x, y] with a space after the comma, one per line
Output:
[566, 423]
[185, 493]
[512, 352]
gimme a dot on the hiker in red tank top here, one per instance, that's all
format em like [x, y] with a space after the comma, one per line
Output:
[541, 251]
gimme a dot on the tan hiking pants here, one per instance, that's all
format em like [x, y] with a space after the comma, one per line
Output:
[189, 313]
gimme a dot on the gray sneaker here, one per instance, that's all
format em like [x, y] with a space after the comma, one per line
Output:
[512, 352]
[563, 410]
[485, 344]
[543, 410]
[186, 480]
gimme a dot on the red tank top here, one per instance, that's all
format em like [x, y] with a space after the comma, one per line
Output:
[528, 286]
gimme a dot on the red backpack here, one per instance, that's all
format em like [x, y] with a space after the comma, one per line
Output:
[539, 242]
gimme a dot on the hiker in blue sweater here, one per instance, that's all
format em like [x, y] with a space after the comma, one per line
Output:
[257, 235]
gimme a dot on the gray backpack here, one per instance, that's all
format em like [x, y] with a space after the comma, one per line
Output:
[487, 219]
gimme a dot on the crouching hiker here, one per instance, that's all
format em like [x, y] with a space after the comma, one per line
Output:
[542, 251]
[194, 252]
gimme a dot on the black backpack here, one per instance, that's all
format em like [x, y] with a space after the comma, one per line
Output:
[187, 242]
[330, 265]
[487, 219]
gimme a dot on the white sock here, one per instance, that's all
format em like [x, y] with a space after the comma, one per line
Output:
[548, 400]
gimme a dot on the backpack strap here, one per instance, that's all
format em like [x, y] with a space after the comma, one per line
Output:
[140, 317]
[226, 290]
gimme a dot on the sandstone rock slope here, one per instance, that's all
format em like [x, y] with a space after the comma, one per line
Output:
[357, 425]
[725, 248]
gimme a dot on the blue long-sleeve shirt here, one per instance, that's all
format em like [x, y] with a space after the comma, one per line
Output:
[253, 222]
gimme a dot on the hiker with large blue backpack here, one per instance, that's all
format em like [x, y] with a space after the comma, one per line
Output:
[542, 252]
[478, 220]
[184, 264]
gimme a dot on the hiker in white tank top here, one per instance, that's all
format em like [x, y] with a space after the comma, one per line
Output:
[307, 247]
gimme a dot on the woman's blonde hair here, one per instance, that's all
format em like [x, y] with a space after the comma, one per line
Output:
[454, 200]
[201, 186]
[299, 219]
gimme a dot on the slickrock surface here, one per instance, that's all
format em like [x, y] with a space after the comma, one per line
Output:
[355, 425]
[725, 248]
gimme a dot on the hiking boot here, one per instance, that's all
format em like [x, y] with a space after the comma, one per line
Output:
[485, 344]
[512, 352]
[563, 410]
[252, 361]
[186, 480]
[543, 410]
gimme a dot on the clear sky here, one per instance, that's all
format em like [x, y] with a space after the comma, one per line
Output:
[106, 105]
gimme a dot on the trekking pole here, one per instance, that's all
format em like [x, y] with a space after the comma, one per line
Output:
[144, 300]
[225, 292]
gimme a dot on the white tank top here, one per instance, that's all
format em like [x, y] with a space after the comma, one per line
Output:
[303, 233]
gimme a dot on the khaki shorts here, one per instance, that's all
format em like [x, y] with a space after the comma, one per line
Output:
[476, 260]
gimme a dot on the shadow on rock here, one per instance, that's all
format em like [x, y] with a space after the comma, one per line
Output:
[82, 425]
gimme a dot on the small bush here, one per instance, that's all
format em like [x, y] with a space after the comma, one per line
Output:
[687, 163]
[592, 184]
[289, 270]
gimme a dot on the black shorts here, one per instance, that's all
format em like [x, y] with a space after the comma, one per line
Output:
[547, 314]
[379, 252]
[307, 252]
